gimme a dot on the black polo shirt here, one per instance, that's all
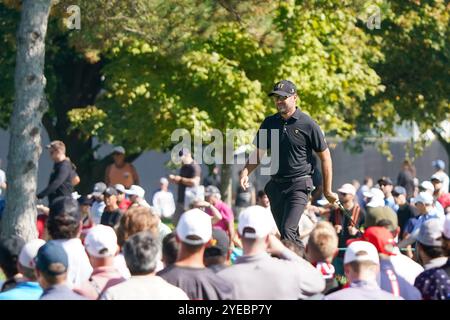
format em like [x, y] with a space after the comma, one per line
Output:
[298, 136]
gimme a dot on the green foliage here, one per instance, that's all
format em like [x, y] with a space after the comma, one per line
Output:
[177, 64]
[415, 71]
[223, 79]
[8, 25]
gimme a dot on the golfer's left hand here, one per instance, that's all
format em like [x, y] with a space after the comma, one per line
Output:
[331, 197]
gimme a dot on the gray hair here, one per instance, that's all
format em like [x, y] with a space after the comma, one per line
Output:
[141, 252]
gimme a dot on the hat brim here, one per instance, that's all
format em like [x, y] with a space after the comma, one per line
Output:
[106, 194]
[346, 191]
[97, 194]
[280, 93]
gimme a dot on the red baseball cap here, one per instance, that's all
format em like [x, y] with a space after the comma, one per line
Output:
[380, 237]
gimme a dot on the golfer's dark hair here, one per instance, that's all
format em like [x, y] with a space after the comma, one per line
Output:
[261, 194]
[64, 218]
[170, 248]
[432, 251]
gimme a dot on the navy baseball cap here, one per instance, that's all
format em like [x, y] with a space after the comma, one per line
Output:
[110, 191]
[385, 181]
[398, 190]
[52, 259]
[284, 88]
[85, 201]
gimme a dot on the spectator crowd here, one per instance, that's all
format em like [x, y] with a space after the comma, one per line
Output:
[382, 241]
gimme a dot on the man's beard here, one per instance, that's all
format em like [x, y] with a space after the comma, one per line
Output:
[283, 109]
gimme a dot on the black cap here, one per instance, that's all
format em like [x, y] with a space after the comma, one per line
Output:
[85, 201]
[65, 205]
[10, 248]
[52, 259]
[284, 88]
[398, 190]
[385, 181]
[219, 244]
[110, 191]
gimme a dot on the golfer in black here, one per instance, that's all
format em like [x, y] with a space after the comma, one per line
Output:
[298, 135]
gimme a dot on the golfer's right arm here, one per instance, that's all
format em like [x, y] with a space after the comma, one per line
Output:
[252, 163]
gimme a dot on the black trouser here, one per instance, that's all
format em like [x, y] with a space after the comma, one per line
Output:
[287, 202]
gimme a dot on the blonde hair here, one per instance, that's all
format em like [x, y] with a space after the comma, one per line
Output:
[322, 242]
[135, 220]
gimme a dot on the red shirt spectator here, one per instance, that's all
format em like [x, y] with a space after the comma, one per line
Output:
[40, 225]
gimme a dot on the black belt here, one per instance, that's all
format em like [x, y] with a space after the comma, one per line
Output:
[284, 180]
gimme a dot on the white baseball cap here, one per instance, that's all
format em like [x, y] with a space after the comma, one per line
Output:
[347, 188]
[256, 218]
[163, 181]
[430, 233]
[437, 177]
[136, 191]
[194, 222]
[119, 187]
[29, 252]
[119, 149]
[361, 251]
[377, 198]
[427, 185]
[101, 241]
[424, 197]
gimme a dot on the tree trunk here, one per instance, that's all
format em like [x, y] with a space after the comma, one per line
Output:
[227, 171]
[29, 106]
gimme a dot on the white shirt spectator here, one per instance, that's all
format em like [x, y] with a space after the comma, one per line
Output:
[144, 288]
[405, 267]
[308, 221]
[2, 181]
[80, 268]
[445, 180]
[121, 266]
[97, 209]
[164, 203]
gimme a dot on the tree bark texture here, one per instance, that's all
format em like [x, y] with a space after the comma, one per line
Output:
[25, 126]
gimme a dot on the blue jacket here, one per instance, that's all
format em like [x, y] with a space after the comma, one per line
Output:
[23, 291]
